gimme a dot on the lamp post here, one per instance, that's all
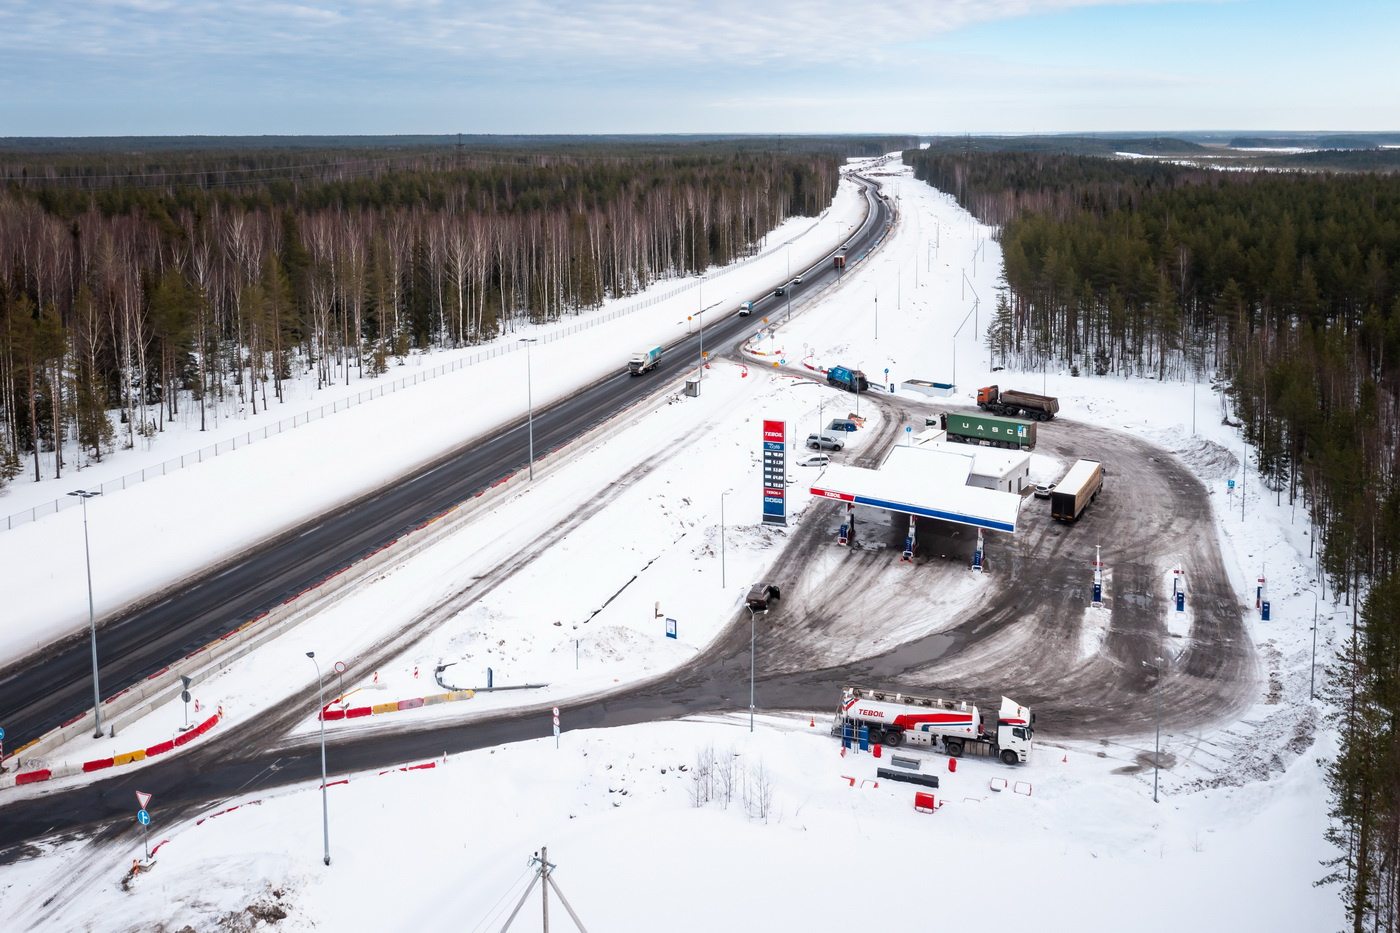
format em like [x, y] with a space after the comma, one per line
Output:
[751, 657]
[83, 496]
[1312, 672]
[530, 403]
[321, 715]
[1157, 704]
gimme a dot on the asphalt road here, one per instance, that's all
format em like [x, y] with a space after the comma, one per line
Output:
[56, 686]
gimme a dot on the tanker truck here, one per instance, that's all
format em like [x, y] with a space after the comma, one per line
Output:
[896, 718]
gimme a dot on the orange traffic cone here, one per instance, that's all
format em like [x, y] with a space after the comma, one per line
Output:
[813, 723]
[1065, 760]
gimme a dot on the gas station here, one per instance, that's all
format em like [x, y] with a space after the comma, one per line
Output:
[934, 480]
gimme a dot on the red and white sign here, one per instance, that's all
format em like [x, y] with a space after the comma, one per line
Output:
[774, 431]
[142, 799]
[830, 494]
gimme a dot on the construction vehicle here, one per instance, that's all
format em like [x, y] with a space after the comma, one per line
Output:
[1072, 495]
[1010, 433]
[643, 360]
[895, 719]
[852, 380]
[1013, 402]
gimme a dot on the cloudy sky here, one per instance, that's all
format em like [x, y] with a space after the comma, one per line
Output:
[157, 67]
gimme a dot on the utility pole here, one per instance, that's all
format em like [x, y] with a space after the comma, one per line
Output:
[544, 870]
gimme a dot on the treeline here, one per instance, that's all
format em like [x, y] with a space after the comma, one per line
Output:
[122, 296]
[1287, 286]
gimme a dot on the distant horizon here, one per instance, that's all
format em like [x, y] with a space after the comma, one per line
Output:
[125, 68]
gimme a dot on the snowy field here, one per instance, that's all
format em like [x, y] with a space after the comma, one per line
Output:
[695, 825]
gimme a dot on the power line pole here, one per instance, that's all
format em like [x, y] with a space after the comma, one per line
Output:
[544, 870]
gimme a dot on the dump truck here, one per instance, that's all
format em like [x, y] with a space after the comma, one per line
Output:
[1010, 433]
[1013, 402]
[895, 718]
[1072, 495]
[643, 360]
[852, 380]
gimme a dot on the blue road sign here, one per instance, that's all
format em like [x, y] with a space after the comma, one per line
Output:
[143, 817]
[1180, 602]
[1229, 484]
[2, 733]
[670, 628]
[1264, 611]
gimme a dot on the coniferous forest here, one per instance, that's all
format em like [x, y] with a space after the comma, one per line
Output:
[138, 285]
[1284, 287]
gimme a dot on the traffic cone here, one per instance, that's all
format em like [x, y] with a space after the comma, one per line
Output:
[1065, 760]
[813, 723]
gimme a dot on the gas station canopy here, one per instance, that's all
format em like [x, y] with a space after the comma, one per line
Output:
[924, 482]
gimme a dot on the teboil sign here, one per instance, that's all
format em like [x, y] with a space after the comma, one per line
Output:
[774, 473]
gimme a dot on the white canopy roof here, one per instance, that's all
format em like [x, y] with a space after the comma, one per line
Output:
[923, 481]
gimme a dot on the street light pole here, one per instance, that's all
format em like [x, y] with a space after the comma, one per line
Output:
[530, 402]
[83, 496]
[321, 715]
[1157, 704]
[751, 657]
[1312, 675]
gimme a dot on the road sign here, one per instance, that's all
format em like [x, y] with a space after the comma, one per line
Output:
[556, 711]
[185, 695]
[142, 800]
[340, 667]
[143, 817]
[1229, 484]
[2, 733]
[670, 628]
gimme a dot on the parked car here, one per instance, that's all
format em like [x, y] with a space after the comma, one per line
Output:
[841, 424]
[824, 442]
[760, 594]
[814, 460]
[1042, 490]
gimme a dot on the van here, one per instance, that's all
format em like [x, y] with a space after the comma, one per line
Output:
[746, 309]
[824, 442]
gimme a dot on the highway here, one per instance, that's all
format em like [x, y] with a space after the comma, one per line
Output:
[37, 697]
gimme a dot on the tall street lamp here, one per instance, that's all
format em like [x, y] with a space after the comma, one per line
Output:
[83, 496]
[1157, 755]
[1312, 676]
[530, 402]
[751, 657]
[321, 715]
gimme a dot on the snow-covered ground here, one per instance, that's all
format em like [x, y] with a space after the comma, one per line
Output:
[696, 825]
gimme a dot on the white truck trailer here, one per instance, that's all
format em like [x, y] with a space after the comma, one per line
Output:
[898, 718]
[643, 360]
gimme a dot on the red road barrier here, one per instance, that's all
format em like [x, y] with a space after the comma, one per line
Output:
[160, 748]
[158, 673]
[330, 714]
[333, 783]
[357, 712]
[185, 737]
[97, 765]
[157, 848]
[33, 777]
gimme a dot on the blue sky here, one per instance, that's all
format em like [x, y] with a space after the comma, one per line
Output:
[177, 67]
